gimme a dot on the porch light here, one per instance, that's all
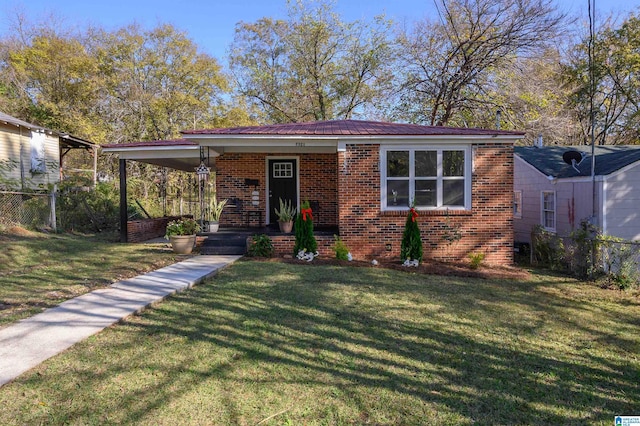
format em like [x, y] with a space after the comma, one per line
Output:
[203, 172]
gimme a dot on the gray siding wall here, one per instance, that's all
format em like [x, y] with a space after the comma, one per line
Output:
[622, 203]
[573, 201]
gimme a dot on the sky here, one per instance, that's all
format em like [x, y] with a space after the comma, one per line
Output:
[210, 23]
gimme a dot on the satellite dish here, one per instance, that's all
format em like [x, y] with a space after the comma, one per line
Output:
[572, 158]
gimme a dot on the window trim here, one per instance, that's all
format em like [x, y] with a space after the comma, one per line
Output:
[555, 211]
[517, 212]
[467, 178]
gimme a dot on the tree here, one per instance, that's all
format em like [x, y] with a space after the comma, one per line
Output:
[312, 66]
[157, 82]
[616, 80]
[533, 97]
[50, 78]
[448, 65]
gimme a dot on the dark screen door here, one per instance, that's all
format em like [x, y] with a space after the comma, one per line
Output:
[283, 183]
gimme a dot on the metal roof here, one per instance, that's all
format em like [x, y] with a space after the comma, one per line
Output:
[351, 128]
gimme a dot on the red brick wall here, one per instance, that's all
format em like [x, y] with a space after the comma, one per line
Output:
[146, 229]
[318, 182]
[487, 228]
[283, 245]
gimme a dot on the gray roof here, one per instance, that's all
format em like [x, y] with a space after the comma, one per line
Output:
[609, 158]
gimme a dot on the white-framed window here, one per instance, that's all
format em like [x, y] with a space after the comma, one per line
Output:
[517, 204]
[435, 177]
[283, 170]
[548, 207]
[38, 159]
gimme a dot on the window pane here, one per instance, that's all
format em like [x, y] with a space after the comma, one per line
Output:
[549, 201]
[426, 163]
[398, 164]
[397, 193]
[453, 163]
[453, 192]
[426, 194]
[549, 220]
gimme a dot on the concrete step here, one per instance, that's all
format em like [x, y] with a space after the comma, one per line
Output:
[225, 240]
[222, 250]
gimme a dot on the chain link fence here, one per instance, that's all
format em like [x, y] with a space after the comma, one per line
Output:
[31, 210]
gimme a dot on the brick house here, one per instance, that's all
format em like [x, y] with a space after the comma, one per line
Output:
[360, 177]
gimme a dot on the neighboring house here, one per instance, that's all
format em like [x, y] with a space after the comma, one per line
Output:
[360, 178]
[31, 156]
[551, 192]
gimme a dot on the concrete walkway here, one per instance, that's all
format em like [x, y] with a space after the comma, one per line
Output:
[28, 342]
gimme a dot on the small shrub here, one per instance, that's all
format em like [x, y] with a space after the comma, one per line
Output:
[261, 246]
[340, 249]
[411, 247]
[185, 226]
[476, 260]
[305, 241]
[548, 249]
[619, 262]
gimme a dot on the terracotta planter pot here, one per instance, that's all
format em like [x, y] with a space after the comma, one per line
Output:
[286, 227]
[182, 244]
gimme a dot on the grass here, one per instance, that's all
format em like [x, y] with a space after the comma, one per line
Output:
[282, 344]
[40, 270]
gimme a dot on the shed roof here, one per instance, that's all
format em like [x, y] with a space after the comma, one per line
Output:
[351, 128]
[66, 139]
[609, 159]
[6, 118]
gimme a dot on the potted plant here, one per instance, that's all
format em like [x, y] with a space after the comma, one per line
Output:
[182, 234]
[286, 213]
[215, 211]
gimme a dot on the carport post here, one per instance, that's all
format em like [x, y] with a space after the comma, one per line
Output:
[123, 201]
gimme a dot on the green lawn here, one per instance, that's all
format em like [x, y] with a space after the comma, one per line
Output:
[279, 344]
[40, 270]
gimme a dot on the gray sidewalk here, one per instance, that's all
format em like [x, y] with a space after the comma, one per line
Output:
[28, 342]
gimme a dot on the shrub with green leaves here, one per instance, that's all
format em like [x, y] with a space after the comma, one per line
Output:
[305, 239]
[411, 247]
[476, 259]
[340, 249]
[261, 246]
[184, 226]
[88, 210]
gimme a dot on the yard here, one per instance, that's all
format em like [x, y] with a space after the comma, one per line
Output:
[272, 343]
[39, 270]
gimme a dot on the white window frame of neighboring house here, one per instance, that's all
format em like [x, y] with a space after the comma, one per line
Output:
[38, 153]
[467, 176]
[517, 204]
[543, 221]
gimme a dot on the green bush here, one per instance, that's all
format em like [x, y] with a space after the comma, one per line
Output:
[411, 247]
[261, 246]
[184, 226]
[548, 249]
[86, 209]
[340, 249]
[476, 259]
[304, 231]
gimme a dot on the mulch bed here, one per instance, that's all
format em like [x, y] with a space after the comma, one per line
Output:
[429, 267]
